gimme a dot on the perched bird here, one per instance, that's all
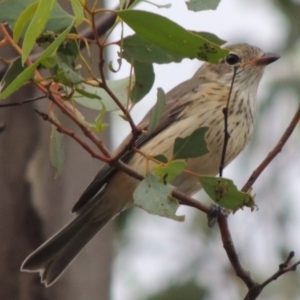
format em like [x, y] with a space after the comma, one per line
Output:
[192, 104]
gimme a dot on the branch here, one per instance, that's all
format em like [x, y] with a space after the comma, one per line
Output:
[85, 129]
[283, 268]
[232, 254]
[255, 291]
[23, 102]
[274, 152]
[134, 129]
[226, 133]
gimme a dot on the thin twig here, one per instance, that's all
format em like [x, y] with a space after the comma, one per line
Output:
[226, 133]
[255, 291]
[134, 129]
[274, 152]
[283, 268]
[24, 102]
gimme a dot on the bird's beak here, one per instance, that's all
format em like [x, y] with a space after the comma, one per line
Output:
[265, 60]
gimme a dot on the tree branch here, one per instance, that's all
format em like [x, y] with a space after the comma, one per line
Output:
[274, 152]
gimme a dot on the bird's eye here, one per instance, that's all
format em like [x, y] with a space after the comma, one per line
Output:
[232, 59]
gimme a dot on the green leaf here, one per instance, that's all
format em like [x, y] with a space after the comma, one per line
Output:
[77, 7]
[10, 10]
[99, 125]
[36, 26]
[59, 20]
[155, 197]
[136, 48]
[13, 71]
[197, 5]
[17, 81]
[170, 36]
[23, 19]
[161, 158]
[210, 37]
[144, 79]
[157, 110]
[225, 193]
[89, 96]
[191, 146]
[27, 74]
[169, 171]
[57, 150]
[67, 75]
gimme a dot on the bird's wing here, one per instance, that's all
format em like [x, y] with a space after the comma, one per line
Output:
[176, 101]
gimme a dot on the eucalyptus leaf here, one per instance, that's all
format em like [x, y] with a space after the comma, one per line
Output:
[77, 6]
[170, 36]
[224, 192]
[144, 79]
[36, 26]
[157, 110]
[135, 47]
[191, 146]
[155, 197]
[10, 11]
[169, 171]
[27, 73]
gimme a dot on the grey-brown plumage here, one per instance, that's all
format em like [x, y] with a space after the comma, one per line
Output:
[192, 104]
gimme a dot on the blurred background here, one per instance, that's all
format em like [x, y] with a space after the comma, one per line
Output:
[145, 257]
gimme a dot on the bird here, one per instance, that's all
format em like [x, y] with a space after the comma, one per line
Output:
[197, 102]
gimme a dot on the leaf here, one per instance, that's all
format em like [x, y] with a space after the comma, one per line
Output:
[224, 192]
[23, 19]
[157, 110]
[77, 7]
[170, 36]
[144, 79]
[26, 74]
[161, 158]
[135, 47]
[36, 26]
[197, 5]
[155, 197]
[89, 96]
[191, 146]
[57, 155]
[210, 37]
[99, 125]
[169, 171]
[67, 75]
[10, 10]
[13, 71]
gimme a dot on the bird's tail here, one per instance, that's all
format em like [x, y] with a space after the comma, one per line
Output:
[54, 256]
